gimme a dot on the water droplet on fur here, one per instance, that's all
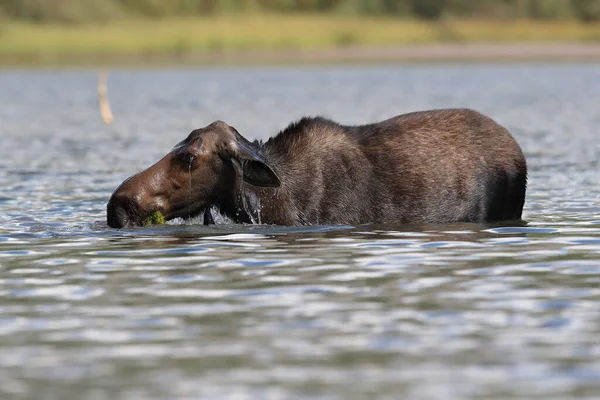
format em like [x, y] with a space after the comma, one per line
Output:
[254, 209]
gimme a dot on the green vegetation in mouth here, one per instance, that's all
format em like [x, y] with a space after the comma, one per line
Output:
[156, 218]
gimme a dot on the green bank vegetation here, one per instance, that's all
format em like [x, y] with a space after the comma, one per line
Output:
[81, 11]
[275, 32]
[47, 30]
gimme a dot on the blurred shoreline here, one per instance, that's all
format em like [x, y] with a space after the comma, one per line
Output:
[426, 53]
[295, 38]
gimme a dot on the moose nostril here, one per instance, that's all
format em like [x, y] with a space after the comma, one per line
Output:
[117, 215]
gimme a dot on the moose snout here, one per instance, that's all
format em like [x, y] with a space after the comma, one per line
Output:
[136, 198]
[122, 211]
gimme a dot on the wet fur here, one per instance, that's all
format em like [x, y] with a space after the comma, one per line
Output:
[438, 166]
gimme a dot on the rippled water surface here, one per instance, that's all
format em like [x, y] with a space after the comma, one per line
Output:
[259, 312]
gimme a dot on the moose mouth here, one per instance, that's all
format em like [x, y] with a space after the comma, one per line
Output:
[157, 217]
[186, 211]
[124, 214]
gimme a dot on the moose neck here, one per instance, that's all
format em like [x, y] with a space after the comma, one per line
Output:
[251, 204]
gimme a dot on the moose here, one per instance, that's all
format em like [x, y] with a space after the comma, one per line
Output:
[436, 166]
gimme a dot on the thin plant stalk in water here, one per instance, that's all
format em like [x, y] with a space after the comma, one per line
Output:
[105, 111]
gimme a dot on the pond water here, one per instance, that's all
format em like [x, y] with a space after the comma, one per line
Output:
[183, 311]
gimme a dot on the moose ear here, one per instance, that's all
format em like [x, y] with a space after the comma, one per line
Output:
[258, 173]
[253, 168]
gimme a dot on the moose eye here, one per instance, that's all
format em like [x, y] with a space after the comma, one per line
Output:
[187, 158]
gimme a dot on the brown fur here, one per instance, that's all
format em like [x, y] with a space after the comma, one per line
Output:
[436, 166]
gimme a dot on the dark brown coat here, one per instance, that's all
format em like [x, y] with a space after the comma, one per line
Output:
[436, 166]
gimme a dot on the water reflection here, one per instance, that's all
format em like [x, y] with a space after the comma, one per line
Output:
[190, 311]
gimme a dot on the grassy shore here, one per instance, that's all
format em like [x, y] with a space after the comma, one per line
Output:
[172, 38]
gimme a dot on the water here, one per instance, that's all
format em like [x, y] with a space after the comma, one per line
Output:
[184, 311]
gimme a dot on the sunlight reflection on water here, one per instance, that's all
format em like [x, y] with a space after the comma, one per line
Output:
[188, 311]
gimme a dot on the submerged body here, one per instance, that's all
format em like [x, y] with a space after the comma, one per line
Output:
[436, 166]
